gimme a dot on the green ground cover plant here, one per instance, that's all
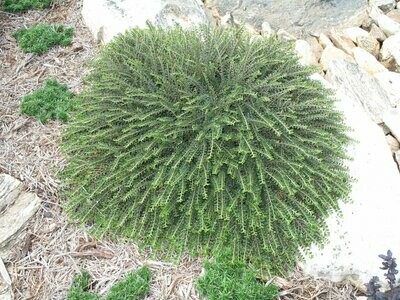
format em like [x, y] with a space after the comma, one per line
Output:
[23, 5]
[39, 38]
[53, 101]
[197, 140]
[134, 286]
[227, 279]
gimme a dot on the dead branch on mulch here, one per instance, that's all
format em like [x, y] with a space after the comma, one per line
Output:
[305, 287]
[44, 260]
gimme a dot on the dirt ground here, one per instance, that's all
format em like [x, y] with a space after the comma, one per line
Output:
[51, 250]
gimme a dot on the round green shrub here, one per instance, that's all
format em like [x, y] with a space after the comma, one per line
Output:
[204, 139]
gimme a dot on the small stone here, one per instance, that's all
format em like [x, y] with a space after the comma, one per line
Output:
[384, 5]
[341, 41]
[20, 209]
[393, 143]
[324, 40]
[266, 30]
[354, 32]
[389, 26]
[5, 291]
[315, 46]
[367, 61]
[5, 283]
[394, 15]
[367, 23]
[391, 49]
[305, 53]
[369, 44]
[332, 53]
[377, 33]
[250, 29]
[390, 83]
[285, 36]
[227, 20]
[392, 120]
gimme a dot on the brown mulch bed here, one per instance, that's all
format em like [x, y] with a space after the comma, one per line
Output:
[44, 260]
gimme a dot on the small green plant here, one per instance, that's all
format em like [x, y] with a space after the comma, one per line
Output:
[53, 101]
[23, 5]
[80, 285]
[227, 279]
[39, 38]
[134, 286]
[197, 140]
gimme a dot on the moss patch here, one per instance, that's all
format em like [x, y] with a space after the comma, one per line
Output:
[53, 101]
[23, 5]
[134, 286]
[39, 38]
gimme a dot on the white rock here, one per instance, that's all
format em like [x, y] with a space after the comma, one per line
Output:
[9, 190]
[285, 36]
[355, 32]
[377, 33]
[331, 53]
[227, 20]
[391, 48]
[369, 44]
[385, 5]
[367, 61]
[4, 273]
[5, 291]
[394, 14]
[342, 42]
[106, 19]
[20, 209]
[388, 25]
[361, 86]
[393, 143]
[366, 228]
[266, 30]
[324, 40]
[316, 47]
[392, 120]
[305, 53]
[390, 83]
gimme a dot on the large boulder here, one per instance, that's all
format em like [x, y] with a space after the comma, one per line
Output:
[367, 225]
[106, 18]
[300, 16]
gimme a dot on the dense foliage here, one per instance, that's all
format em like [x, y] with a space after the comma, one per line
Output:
[198, 140]
[227, 279]
[22, 5]
[39, 38]
[135, 286]
[53, 101]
